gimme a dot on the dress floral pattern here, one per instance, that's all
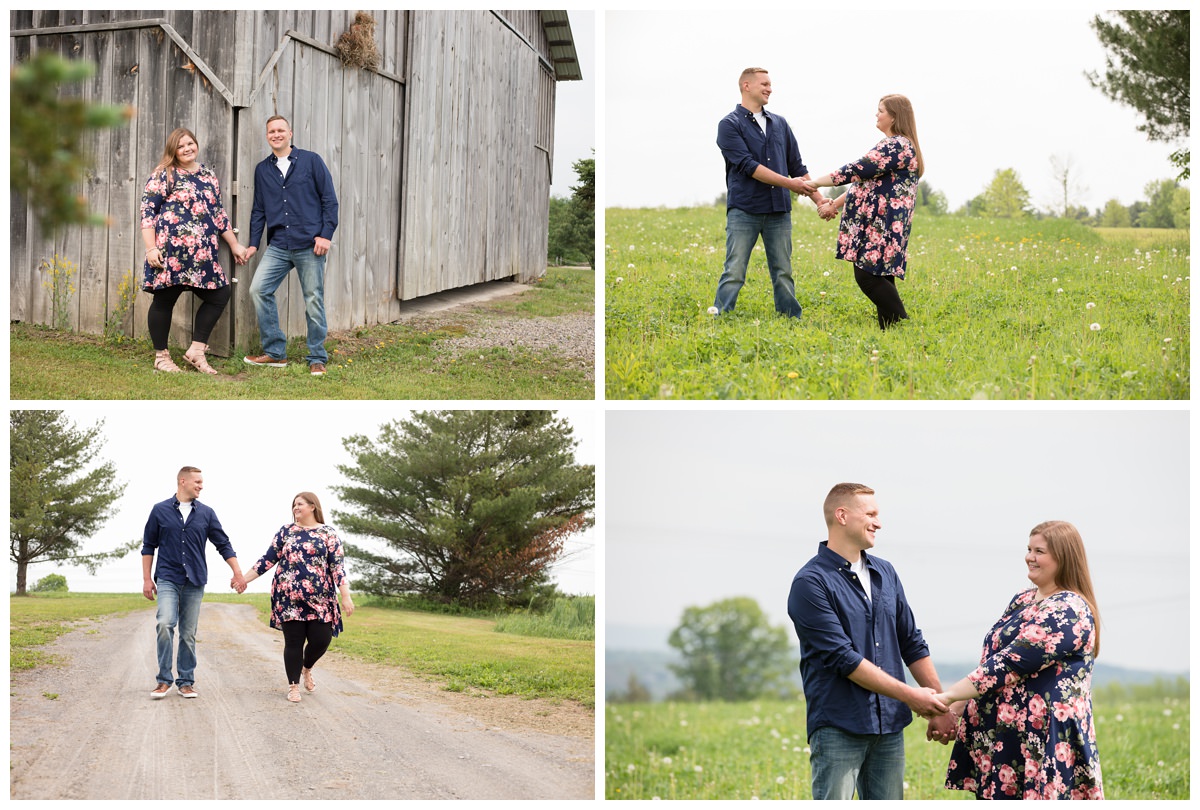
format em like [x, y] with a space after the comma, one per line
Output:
[309, 575]
[877, 217]
[188, 220]
[1030, 733]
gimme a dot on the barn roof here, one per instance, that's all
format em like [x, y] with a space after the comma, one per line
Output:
[562, 46]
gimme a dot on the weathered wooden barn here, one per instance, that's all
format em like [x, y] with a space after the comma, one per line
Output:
[441, 156]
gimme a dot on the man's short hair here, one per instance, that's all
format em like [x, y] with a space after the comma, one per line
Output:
[839, 495]
[748, 74]
[279, 118]
[185, 471]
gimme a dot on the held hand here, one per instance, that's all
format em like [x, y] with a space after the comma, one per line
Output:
[926, 703]
[239, 253]
[238, 583]
[247, 253]
[826, 210]
[942, 729]
[802, 186]
[320, 246]
[149, 590]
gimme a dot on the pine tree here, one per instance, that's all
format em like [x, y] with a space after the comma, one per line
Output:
[475, 506]
[54, 504]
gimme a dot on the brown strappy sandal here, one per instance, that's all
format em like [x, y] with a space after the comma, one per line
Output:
[199, 363]
[163, 362]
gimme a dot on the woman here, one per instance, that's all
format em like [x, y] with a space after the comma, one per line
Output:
[1026, 729]
[304, 593]
[877, 215]
[182, 216]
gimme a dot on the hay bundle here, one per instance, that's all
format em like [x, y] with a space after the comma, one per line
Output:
[356, 47]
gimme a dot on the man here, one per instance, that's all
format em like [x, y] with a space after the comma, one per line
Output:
[762, 168]
[856, 634]
[295, 203]
[178, 529]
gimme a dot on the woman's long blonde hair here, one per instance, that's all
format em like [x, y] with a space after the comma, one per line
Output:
[904, 122]
[170, 157]
[1066, 547]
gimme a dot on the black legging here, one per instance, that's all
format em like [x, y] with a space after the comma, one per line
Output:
[159, 317]
[317, 633]
[883, 294]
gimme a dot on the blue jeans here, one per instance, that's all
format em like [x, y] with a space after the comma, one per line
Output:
[271, 272]
[841, 761]
[741, 233]
[178, 605]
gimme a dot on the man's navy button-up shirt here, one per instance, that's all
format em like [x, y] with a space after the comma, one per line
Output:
[838, 626]
[180, 545]
[296, 209]
[745, 147]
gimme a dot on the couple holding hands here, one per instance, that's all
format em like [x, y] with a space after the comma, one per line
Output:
[309, 594]
[1021, 722]
[762, 169]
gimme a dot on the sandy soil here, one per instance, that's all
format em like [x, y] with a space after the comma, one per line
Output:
[88, 729]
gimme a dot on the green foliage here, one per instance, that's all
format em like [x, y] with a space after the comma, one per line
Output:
[56, 583]
[572, 236]
[47, 135]
[731, 652]
[114, 325]
[59, 279]
[54, 504]
[1161, 208]
[928, 200]
[760, 749]
[1114, 215]
[1005, 197]
[474, 505]
[1148, 67]
[987, 318]
[569, 617]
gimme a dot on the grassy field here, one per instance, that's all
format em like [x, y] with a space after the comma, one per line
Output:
[464, 654]
[999, 309]
[759, 750]
[396, 361]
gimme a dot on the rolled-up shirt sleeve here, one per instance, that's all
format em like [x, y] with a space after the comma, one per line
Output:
[811, 610]
[734, 149]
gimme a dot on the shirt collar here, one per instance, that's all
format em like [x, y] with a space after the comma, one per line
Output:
[836, 560]
[291, 155]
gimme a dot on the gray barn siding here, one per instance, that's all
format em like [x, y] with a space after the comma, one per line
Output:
[442, 177]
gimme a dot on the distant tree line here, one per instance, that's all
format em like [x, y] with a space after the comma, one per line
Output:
[572, 237]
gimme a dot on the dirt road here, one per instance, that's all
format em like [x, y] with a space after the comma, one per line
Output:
[89, 729]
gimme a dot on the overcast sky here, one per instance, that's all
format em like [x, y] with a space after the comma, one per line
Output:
[255, 457]
[991, 89]
[575, 108]
[703, 506]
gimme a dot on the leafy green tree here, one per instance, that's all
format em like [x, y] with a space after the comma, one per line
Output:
[1148, 67]
[731, 652]
[475, 506]
[54, 504]
[1181, 208]
[1135, 212]
[573, 222]
[931, 201]
[51, 583]
[1006, 197]
[1115, 215]
[1160, 210]
[47, 135]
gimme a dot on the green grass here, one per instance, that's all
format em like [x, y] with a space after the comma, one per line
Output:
[394, 361]
[998, 310]
[758, 750]
[463, 653]
[571, 617]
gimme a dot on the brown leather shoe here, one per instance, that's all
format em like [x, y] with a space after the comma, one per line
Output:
[316, 369]
[188, 691]
[265, 360]
[160, 691]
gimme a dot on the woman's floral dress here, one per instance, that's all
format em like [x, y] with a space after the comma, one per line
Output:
[1030, 734]
[188, 220]
[309, 575]
[877, 217]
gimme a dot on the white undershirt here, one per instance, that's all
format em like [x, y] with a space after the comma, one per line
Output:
[185, 509]
[864, 576]
[282, 164]
[761, 119]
